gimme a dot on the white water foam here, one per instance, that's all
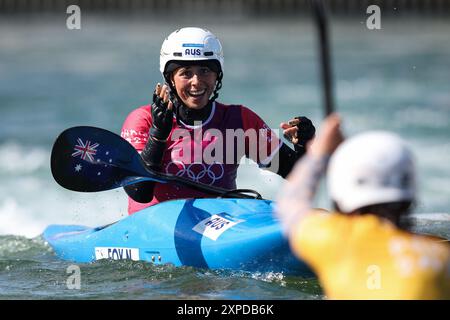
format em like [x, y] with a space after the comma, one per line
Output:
[17, 220]
[30, 218]
[18, 159]
[431, 216]
[30, 199]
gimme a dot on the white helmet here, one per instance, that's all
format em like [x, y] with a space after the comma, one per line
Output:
[191, 44]
[371, 168]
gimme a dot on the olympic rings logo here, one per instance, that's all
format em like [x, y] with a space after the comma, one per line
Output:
[197, 171]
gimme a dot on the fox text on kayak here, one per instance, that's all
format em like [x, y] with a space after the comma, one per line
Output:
[116, 253]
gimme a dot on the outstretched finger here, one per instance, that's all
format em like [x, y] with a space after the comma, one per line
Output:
[165, 94]
[163, 91]
[292, 131]
[158, 89]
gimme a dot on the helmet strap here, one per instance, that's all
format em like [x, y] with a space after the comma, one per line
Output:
[218, 87]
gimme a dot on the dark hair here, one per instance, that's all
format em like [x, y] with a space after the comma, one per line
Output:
[172, 65]
[393, 211]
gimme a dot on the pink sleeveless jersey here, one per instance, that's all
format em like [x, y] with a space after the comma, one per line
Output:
[209, 152]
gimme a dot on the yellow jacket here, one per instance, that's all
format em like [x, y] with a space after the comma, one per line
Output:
[366, 257]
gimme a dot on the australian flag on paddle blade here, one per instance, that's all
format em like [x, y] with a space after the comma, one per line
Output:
[91, 159]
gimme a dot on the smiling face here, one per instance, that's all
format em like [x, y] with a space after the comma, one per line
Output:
[194, 85]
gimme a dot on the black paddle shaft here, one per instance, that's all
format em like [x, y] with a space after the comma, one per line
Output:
[320, 16]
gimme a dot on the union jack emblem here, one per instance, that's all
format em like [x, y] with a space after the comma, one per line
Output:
[85, 150]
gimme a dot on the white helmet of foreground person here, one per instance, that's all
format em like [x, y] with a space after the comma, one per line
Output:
[369, 169]
[189, 44]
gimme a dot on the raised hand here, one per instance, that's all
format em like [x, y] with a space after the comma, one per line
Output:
[299, 131]
[162, 113]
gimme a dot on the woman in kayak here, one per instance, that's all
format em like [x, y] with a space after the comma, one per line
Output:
[362, 250]
[186, 132]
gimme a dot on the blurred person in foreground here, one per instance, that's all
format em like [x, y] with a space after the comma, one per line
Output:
[362, 249]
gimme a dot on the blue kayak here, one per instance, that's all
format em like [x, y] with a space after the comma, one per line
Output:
[239, 234]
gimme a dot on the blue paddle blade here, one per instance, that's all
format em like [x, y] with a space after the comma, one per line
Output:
[90, 159]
